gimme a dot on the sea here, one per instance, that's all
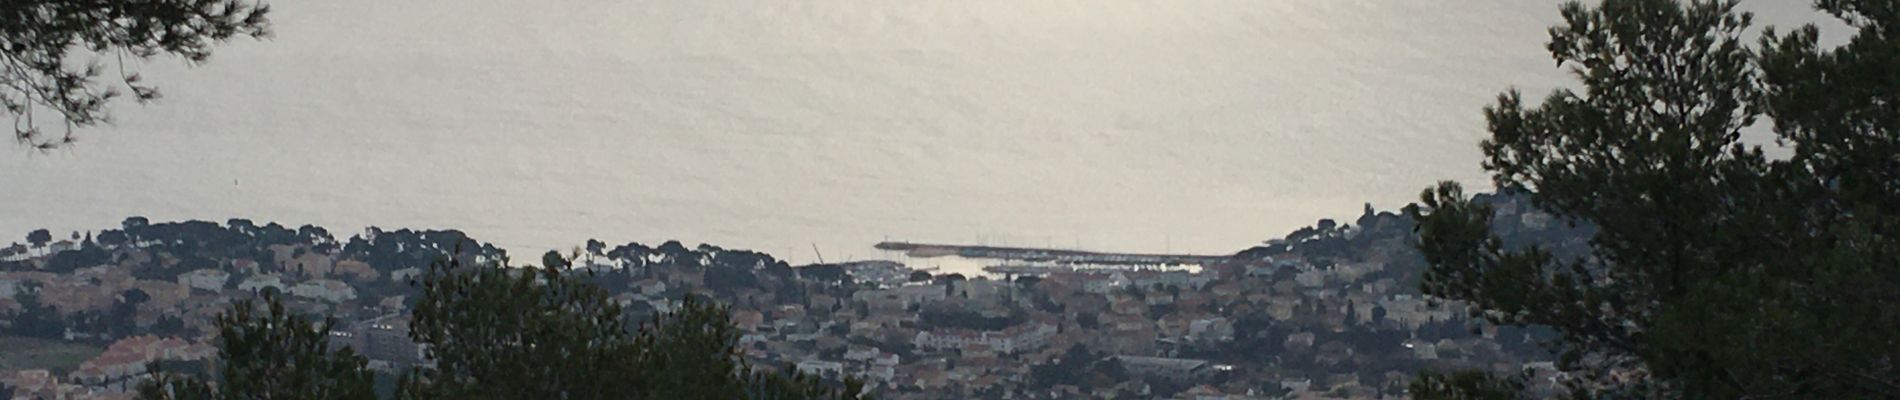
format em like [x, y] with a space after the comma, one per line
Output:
[812, 130]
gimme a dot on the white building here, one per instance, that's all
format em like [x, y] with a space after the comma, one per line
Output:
[900, 297]
[1016, 338]
[1181, 279]
[1211, 329]
[205, 279]
[1413, 311]
[1177, 369]
[1105, 284]
[882, 373]
[1296, 385]
[259, 282]
[61, 246]
[821, 368]
[861, 354]
[324, 289]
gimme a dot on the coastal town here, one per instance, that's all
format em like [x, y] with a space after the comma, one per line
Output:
[1329, 311]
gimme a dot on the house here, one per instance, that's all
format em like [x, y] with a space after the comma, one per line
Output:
[1128, 306]
[164, 294]
[393, 302]
[1228, 290]
[650, 287]
[1171, 369]
[1260, 270]
[324, 289]
[311, 265]
[1282, 306]
[354, 270]
[1213, 329]
[1209, 392]
[245, 265]
[902, 297]
[1353, 271]
[1301, 339]
[1413, 311]
[33, 384]
[205, 279]
[873, 362]
[1296, 385]
[882, 373]
[405, 274]
[861, 354]
[1180, 279]
[1291, 261]
[886, 360]
[123, 363]
[1099, 284]
[385, 342]
[259, 282]
[748, 320]
[1333, 353]
[821, 368]
[61, 247]
[1159, 299]
[1026, 336]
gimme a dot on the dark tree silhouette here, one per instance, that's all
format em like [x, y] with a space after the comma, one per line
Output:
[1715, 271]
[499, 332]
[269, 353]
[39, 237]
[51, 54]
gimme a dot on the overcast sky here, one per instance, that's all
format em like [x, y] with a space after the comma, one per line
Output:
[1198, 125]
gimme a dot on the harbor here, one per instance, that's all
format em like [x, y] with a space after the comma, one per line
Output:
[1031, 261]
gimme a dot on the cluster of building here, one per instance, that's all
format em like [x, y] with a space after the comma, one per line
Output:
[1284, 325]
[113, 374]
[172, 314]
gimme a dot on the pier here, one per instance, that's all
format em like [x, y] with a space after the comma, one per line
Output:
[1056, 256]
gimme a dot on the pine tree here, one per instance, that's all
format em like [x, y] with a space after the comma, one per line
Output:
[1716, 271]
[44, 43]
[498, 332]
[270, 354]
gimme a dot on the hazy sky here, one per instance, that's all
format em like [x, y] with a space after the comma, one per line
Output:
[1196, 125]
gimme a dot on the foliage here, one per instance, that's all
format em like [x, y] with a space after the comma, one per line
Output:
[39, 237]
[271, 354]
[1472, 385]
[1715, 270]
[504, 333]
[69, 261]
[497, 332]
[35, 318]
[540, 332]
[963, 318]
[57, 355]
[43, 44]
[1079, 366]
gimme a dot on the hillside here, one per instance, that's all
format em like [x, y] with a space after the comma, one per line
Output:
[1329, 309]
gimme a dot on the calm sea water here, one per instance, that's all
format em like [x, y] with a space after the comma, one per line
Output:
[1127, 125]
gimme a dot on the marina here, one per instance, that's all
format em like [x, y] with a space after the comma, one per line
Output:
[1022, 260]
